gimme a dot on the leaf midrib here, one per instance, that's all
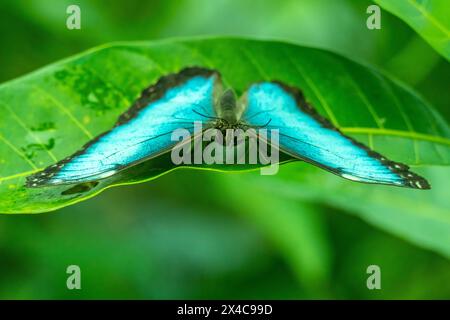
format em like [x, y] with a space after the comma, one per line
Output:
[430, 18]
[393, 132]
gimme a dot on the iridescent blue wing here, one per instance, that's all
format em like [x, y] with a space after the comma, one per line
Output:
[142, 132]
[305, 135]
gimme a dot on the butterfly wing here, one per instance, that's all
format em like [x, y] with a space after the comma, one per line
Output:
[305, 135]
[142, 132]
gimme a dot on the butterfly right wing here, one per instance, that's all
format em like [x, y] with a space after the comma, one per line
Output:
[141, 133]
[305, 135]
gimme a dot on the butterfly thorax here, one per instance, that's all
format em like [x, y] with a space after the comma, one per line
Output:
[228, 111]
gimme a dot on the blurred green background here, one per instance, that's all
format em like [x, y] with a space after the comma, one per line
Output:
[194, 234]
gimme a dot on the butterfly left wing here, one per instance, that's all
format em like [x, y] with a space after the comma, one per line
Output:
[305, 135]
[141, 133]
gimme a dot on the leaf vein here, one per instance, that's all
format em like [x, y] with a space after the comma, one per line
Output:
[17, 151]
[67, 112]
[24, 126]
[316, 91]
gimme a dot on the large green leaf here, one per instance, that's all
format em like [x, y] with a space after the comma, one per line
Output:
[51, 113]
[429, 18]
[422, 218]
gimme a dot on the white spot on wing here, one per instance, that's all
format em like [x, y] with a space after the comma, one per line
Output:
[107, 174]
[350, 177]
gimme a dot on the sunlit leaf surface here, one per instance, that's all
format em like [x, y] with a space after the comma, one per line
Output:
[51, 113]
[428, 18]
[422, 218]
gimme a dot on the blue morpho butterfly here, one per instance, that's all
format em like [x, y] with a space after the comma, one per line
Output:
[144, 131]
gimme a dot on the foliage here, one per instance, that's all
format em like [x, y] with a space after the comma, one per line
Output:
[199, 234]
[78, 99]
[428, 18]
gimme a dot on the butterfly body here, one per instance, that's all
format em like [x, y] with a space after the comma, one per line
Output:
[195, 94]
[228, 108]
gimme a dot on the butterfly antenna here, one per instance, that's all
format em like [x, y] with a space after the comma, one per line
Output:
[201, 106]
[204, 115]
[264, 125]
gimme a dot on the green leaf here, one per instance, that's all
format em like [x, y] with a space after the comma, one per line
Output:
[51, 113]
[430, 19]
[298, 231]
[422, 218]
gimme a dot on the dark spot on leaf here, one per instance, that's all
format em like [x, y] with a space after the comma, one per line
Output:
[44, 126]
[80, 188]
[94, 92]
[31, 149]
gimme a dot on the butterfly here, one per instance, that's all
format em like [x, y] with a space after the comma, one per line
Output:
[197, 94]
